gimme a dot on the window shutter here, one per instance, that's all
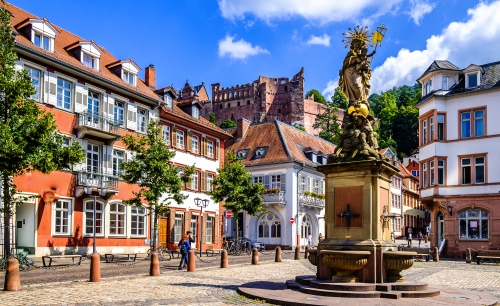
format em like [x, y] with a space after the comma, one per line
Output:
[321, 187]
[81, 100]
[266, 181]
[107, 165]
[19, 66]
[189, 141]
[50, 94]
[174, 136]
[217, 229]
[283, 182]
[130, 155]
[203, 181]
[307, 180]
[83, 165]
[131, 116]
[152, 115]
[203, 235]
[171, 227]
[203, 149]
[111, 106]
[187, 222]
[189, 183]
[217, 144]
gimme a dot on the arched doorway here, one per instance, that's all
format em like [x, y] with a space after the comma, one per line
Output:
[269, 229]
[306, 228]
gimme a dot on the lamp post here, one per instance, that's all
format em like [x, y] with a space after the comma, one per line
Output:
[201, 204]
[95, 264]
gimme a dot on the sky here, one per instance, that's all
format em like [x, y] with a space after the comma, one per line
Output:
[233, 42]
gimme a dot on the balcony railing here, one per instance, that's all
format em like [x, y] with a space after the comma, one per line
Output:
[98, 125]
[274, 198]
[97, 179]
[308, 200]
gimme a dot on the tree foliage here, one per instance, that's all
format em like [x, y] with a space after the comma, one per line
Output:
[228, 123]
[151, 168]
[234, 186]
[329, 124]
[339, 99]
[28, 135]
[212, 118]
[318, 97]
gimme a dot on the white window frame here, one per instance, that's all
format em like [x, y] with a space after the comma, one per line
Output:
[90, 211]
[195, 112]
[194, 182]
[210, 148]
[209, 230]
[180, 139]
[50, 41]
[462, 168]
[166, 134]
[258, 179]
[210, 178]
[168, 100]
[302, 184]
[37, 95]
[138, 213]
[467, 75]
[69, 217]
[126, 75]
[440, 169]
[193, 226]
[178, 221]
[195, 144]
[64, 89]
[424, 175]
[479, 224]
[431, 173]
[118, 162]
[117, 213]
[275, 181]
[142, 117]
[119, 105]
[94, 60]
[476, 164]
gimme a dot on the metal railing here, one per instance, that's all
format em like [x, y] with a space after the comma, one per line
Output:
[97, 179]
[274, 197]
[308, 200]
[13, 240]
[99, 122]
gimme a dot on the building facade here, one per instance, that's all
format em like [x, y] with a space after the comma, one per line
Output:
[282, 158]
[95, 99]
[412, 210]
[459, 179]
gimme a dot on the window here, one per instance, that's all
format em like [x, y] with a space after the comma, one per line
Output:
[210, 148]
[210, 178]
[465, 119]
[269, 226]
[141, 120]
[315, 186]
[166, 134]
[180, 139]
[440, 172]
[258, 179]
[42, 41]
[424, 129]
[194, 144]
[431, 174]
[479, 123]
[128, 77]
[431, 125]
[63, 94]
[194, 226]
[196, 112]
[138, 221]
[424, 178]
[178, 226]
[118, 113]
[93, 164]
[479, 170]
[194, 182]
[440, 127]
[302, 184]
[275, 181]
[209, 229]
[428, 87]
[472, 79]
[444, 85]
[466, 171]
[89, 61]
[117, 213]
[415, 172]
[35, 81]
[62, 217]
[89, 218]
[168, 100]
[118, 159]
[473, 224]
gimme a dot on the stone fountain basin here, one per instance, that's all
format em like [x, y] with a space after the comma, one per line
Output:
[313, 256]
[399, 254]
[395, 262]
[345, 263]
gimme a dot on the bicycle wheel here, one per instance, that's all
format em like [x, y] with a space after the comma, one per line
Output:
[237, 250]
[165, 254]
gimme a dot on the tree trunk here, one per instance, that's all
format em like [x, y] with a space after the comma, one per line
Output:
[155, 221]
[6, 215]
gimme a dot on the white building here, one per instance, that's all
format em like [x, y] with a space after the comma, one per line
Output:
[459, 141]
[283, 158]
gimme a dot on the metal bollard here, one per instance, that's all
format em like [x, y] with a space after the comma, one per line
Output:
[95, 268]
[436, 254]
[297, 253]
[12, 277]
[468, 256]
[191, 261]
[255, 256]
[277, 257]
[306, 252]
[224, 262]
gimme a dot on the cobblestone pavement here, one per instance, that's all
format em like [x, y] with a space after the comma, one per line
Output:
[214, 286]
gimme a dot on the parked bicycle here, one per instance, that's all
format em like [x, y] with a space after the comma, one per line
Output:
[25, 263]
[162, 251]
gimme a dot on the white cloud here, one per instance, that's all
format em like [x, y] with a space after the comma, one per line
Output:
[238, 49]
[319, 40]
[317, 11]
[419, 8]
[462, 43]
[330, 89]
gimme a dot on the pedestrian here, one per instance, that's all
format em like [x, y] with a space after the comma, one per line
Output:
[409, 239]
[320, 237]
[419, 236]
[185, 247]
[190, 237]
[309, 240]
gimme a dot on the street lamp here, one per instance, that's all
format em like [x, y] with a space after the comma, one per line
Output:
[95, 264]
[202, 204]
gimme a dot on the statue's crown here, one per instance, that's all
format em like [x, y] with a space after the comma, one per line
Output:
[358, 33]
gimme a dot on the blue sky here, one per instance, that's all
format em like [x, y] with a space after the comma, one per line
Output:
[234, 41]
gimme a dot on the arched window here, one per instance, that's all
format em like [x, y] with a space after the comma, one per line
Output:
[306, 226]
[89, 218]
[269, 226]
[473, 224]
[117, 214]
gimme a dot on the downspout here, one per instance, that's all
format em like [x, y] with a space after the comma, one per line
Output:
[298, 206]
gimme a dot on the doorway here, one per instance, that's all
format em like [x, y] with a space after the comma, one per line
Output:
[25, 227]
[440, 226]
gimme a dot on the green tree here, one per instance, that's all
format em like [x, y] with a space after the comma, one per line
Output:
[28, 135]
[318, 97]
[406, 126]
[234, 186]
[388, 110]
[300, 127]
[339, 99]
[151, 169]
[329, 124]
[213, 119]
[228, 123]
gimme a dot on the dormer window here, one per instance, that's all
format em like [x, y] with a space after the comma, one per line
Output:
[196, 112]
[128, 77]
[39, 31]
[89, 60]
[42, 41]
[472, 79]
[428, 87]
[168, 100]
[87, 52]
[127, 70]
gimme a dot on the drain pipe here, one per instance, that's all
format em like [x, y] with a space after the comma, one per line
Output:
[298, 207]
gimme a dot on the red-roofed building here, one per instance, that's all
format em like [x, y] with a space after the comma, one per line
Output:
[412, 210]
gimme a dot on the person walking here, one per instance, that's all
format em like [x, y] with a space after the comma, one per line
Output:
[419, 237]
[190, 237]
[409, 239]
[309, 240]
[320, 237]
[185, 246]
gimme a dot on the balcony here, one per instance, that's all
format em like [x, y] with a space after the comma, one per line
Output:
[97, 125]
[274, 198]
[96, 180]
[310, 201]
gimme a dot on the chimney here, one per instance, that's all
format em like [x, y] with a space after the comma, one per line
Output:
[242, 127]
[150, 77]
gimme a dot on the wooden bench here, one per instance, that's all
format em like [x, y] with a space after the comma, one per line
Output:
[489, 255]
[424, 252]
[171, 253]
[210, 250]
[51, 257]
[119, 252]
